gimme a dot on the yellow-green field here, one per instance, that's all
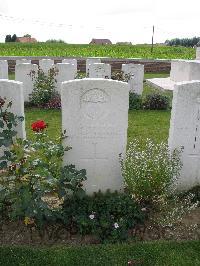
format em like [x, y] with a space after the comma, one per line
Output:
[85, 50]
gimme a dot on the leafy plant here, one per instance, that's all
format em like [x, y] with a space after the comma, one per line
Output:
[8, 122]
[135, 101]
[149, 172]
[44, 87]
[156, 101]
[34, 174]
[119, 75]
[108, 216]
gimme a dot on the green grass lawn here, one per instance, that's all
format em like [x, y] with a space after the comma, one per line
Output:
[146, 75]
[156, 254]
[85, 50]
[142, 123]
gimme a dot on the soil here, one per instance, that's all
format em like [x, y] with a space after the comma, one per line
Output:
[17, 233]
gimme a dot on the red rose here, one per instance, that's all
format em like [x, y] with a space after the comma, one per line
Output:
[38, 126]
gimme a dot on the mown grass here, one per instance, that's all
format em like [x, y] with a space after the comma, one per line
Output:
[85, 50]
[142, 123]
[153, 253]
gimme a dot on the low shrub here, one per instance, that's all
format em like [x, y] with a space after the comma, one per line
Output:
[108, 216]
[54, 102]
[149, 172]
[135, 101]
[156, 101]
[43, 87]
[30, 171]
[195, 192]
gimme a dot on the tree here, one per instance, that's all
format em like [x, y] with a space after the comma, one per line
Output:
[8, 38]
[27, 35]
[14, 38]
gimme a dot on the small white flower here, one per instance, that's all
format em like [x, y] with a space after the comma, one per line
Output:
[143, 209]
[116, 225]
[91, 216]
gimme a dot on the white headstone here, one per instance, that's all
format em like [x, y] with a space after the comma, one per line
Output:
[100, 70]
[89, 111]
[13, 91]
[46, 64]
[185, 131]
[3, 69]
[198, 53]
[23, 61]
[64, 72]
[70, 61]
[23, 74]
[135, 73]
[90, 61]
[185, 70]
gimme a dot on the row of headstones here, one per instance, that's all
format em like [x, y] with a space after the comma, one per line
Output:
[89, 111]
[67, 70]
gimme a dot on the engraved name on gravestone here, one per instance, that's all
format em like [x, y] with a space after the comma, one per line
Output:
[23, 74]
[185, 131]
[95, 115]
[135, 73]
[100, 70]
[3, 69]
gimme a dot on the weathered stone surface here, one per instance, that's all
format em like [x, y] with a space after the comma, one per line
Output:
[198, 53]
[70, 61]
[185, 70]
[46, 65]
[13, 91]
[90, 61]
[65, 72]
[100, 70]
[95, 115]
[3, 69]
[136, 74]
[23, 61]
[185, 130]
[23, 74]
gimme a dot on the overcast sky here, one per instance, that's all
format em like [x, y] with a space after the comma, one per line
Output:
[78, 21]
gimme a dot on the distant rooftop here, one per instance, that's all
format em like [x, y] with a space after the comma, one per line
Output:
[100, 41]
[25, 39]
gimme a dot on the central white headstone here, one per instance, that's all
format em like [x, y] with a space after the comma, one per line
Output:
[23, 61]
[135, 73]
[46, 65]
[65, 72]
[3, 69]
[95, 115]
[100, 70]
[23, 74]
[71, 61]
[185, 130]
[90, 61]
